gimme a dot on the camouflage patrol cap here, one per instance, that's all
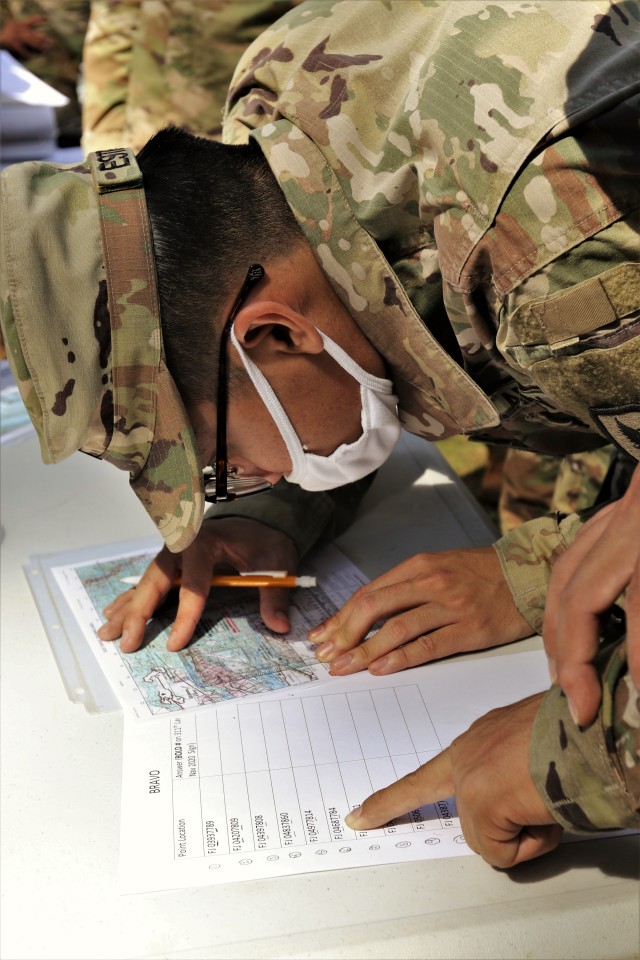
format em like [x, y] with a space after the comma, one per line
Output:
[81, 323]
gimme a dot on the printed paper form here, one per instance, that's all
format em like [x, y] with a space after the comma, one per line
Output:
[249, 790]
[233, 654]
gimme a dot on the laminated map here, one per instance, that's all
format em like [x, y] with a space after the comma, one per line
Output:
[232, 653]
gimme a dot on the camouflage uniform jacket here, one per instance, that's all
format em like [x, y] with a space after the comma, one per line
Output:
[438, 158]
[148, 63]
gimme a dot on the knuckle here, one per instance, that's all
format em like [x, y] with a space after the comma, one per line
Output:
[572, 598]
[418, 563]
[438, 581]
[366, 604]
[633, 491]
[332, 624]
[566, 677]
[498, 856]
[362, 591]
[397, 631]
[426, 646]
[360, 655]
[342, 641]
[413, 780]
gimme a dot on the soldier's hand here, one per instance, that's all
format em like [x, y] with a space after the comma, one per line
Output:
[20, 38]
[503, 817]
[232, 543]
[586, 580]
[433, 605]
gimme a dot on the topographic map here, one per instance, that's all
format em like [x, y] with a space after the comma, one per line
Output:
[232, 653]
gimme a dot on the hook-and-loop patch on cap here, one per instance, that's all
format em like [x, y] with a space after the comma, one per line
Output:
[152, 437]
[80, 316]
[115, 170]
[136, 337]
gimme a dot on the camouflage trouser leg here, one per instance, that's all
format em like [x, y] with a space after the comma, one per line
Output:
[534, 484]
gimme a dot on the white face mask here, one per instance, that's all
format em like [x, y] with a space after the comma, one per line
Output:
[351, 461]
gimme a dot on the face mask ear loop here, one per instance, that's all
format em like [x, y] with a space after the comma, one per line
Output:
[347, 363]
[273, 405]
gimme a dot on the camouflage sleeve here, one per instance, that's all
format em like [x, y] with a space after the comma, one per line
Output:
[183, 60]
[303, 516]
[108, 50]
[527, 555]
[590, 777]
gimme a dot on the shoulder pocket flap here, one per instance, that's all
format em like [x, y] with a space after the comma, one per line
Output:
[586, 307]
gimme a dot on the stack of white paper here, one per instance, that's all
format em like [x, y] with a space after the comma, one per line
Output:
[28, 128]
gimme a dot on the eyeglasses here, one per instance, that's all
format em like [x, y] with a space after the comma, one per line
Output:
[222, 483]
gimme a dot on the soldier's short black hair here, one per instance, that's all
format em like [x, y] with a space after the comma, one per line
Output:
[214, 210]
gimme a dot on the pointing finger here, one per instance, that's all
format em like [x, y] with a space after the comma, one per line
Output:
[429, 783]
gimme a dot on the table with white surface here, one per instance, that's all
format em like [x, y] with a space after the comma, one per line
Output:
[61, 781]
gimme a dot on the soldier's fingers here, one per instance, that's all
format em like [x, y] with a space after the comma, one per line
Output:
[190, 608]
[25, 36]
[601, 577]
[375, 600]
[409, 631]
[120, 601]
[633, 626]
[352, 622]
[137, 613]
[430, 646]
[37, 41]
[274, 607]
[429, 783]
[536, 841]
[406, 602]
[523, 844]
[581, 686]
[20, 49]
[134, 624]
[136, 603]
[112, 629]
[191, 604]
[563, 571]
[197, 564]
[577, 644]
[130, 612]
[196, 583]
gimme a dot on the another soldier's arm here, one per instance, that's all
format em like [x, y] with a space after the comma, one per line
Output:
[527, 555]
[433, 605]
[589, 776]
[20, 37]
[107, 56]
[502, 815]
[602, 567]
[519, 769]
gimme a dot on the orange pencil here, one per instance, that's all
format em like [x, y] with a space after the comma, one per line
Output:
[253, 580]
[245, 580]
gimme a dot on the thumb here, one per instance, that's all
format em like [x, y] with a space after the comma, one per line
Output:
[274, 608]
[534, 841]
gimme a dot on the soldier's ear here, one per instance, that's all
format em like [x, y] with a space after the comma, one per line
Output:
[267, 326]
